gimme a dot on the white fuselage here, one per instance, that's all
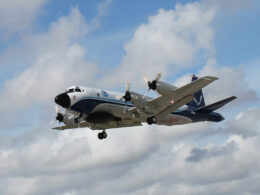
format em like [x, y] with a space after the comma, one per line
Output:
[90, 100]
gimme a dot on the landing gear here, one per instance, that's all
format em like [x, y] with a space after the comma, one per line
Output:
[102, 135]
[151, 120]
[78, 119]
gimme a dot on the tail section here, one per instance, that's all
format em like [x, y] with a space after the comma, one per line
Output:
[198, 101]
[215, 106]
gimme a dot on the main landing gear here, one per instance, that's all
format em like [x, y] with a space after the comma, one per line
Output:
[151, 120]
[102, 135]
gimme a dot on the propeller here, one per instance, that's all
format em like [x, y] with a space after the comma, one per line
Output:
[152, 84]
[59, 116]
[127, 95]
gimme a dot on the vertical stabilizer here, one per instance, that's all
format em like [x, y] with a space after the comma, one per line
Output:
[198, 101]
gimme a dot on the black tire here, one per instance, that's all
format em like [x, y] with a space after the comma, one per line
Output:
[100, 136]
[104, 134]
[149, 121]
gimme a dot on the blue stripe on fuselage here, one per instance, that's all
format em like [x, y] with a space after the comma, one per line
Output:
[87, 104]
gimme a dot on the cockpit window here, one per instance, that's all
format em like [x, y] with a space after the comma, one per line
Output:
[73, 89]
[70, 90]
[77, 89]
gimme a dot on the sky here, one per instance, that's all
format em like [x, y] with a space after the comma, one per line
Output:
[47, 46]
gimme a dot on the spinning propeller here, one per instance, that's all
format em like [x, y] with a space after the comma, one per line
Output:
[59, 116]
[127, 95]
[153, 84]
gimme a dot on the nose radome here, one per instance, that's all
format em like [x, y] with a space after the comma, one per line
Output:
[63, 100]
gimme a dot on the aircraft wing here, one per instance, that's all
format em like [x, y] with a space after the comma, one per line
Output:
[102, 126]
[175, 106]
[179, 97]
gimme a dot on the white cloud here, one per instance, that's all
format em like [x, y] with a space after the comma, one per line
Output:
[141, 160]
[169, 40]
[102, 11]
[59, 63]
[18, 15]
[232, 81]
[51, 73]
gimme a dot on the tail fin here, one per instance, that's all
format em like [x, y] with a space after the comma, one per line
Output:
[198, 101]
[215, 106]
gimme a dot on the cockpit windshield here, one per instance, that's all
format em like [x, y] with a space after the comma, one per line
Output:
[70, 90]
[77, 89]
[73, 89]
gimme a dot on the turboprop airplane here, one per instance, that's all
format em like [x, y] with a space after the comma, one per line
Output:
[101, 110]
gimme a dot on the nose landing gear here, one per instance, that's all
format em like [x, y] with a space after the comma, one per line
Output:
[102, 135]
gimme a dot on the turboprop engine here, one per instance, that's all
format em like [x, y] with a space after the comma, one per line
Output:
[159, 86]
[66, 118]
[139, 100]
[70, 120]
[164, 88]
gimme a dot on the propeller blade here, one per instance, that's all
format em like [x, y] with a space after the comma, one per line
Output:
[57, 108]
[152, 84]
[146, 79]
[159, 75]
[127, 86]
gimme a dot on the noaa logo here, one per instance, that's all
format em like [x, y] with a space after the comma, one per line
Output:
[198, 100]
[104, 93]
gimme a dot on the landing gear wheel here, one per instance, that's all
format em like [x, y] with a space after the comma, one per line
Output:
[102, 135]
[151, 120]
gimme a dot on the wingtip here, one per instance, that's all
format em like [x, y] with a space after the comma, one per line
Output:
[211, 78]
[233, 97]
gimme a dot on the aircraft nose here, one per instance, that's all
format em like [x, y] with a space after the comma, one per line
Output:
[63, 100]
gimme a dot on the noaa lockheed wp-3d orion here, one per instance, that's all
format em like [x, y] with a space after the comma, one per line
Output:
[101, 110]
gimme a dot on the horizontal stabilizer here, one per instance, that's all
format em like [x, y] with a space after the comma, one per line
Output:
[215, 106]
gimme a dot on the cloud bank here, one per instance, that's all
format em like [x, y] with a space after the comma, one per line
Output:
[141, 160]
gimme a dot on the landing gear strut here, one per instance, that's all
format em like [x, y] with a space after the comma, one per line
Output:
[151, 120]
[78, 119]
[102, 135]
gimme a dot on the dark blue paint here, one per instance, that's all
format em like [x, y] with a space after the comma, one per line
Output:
[198, 101]
[197, 117]
[87, 105]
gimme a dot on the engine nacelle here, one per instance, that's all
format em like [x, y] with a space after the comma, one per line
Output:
[142, 103]
[70, 120]
[164, 88]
